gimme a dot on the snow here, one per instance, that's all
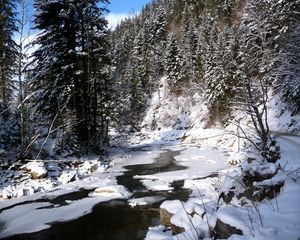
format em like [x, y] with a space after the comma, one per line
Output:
[66, 177]
[207, 187]
[279, 216]
[108, 189]
[145, 200]
[179, 112]
[156, 233]
[155, 185]
[37, 216]
[200, 162]
[32, 217]
[171, 206]
[280, 118]
[114, 191]
[192, 215]
[214, 160]
[40, 176]
[236, 217]
[36, 169]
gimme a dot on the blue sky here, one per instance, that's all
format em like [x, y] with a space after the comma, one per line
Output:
[126, 6]
[120, 9]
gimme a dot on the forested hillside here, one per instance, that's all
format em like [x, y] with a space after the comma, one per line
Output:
[84, 80]
[231, 52]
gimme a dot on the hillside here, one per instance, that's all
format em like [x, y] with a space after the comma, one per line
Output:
[230, 53]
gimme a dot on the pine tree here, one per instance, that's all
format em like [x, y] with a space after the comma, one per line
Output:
[69, 77]
[287, 68]
[136, 78]
[259, 48]
[91, 84]
[190, 46]
[219, 71]
[173, 62]
[8, 49]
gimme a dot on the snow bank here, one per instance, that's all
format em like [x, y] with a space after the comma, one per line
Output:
[36, 216]
[44, 175]
[179, 112]
[280, 119]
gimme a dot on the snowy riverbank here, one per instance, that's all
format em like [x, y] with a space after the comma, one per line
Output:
[205, 171]
[40, 209]
[274, 218]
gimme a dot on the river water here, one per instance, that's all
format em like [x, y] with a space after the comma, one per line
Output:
[116, 220]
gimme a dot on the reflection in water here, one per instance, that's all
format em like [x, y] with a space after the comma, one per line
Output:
[116, 220]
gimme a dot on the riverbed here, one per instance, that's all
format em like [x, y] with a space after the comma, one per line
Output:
[151, 180]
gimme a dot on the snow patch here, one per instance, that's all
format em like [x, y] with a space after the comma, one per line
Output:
[116, 191]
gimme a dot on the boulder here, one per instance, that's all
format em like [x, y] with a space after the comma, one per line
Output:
[67, 176]
[37, 170]
[224, 231]
[2, 197]
[90, 166]
[165, 217]
[167, 210]
[176, 230]
[114, 191]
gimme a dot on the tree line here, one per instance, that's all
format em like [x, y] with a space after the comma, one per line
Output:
[231, 52]
[83, 79]
[64, 92]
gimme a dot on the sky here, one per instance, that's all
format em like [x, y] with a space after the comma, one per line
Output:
[120, 9]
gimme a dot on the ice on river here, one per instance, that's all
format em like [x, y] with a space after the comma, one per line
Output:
[199, 162]
[18, 217]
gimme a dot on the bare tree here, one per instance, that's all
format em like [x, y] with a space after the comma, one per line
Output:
[255, 61]
[24, 37]
[252, 100]
[260, 35]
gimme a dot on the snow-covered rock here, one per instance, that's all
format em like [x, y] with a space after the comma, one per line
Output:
[115, 191]
[90, 166]
[167, 210]
[37, 169]
[67, 176]
[145, 200]
[158, 233]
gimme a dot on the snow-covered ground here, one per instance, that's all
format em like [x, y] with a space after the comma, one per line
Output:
[181, 124]
[271, 219]
[29, 214]
[276, 218]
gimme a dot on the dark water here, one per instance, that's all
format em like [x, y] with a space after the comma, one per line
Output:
[116, 220]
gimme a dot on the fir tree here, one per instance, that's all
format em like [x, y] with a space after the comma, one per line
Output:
[190, 46]
[69, 73]
[8, 49]
[219, 71]
[173, 62]
[287, 69]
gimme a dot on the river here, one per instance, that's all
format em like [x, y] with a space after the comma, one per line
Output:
[115, 219]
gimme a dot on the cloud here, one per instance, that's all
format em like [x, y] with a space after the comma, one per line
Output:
[115, 18]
